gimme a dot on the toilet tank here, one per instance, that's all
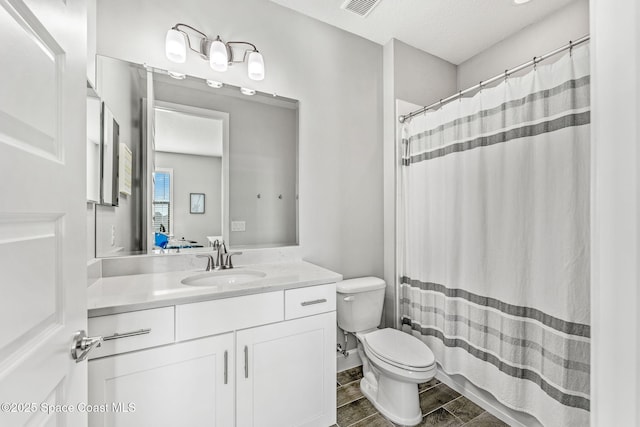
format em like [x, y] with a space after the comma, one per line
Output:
[359, 303]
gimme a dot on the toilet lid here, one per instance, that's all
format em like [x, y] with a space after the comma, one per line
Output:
[400, 348]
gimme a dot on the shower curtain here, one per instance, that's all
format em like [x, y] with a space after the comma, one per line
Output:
[495, 239]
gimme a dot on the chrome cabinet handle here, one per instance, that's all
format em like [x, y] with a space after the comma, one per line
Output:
[127, 334]
[226, 361]
[246, 361]
[81, 345]
[315, 301]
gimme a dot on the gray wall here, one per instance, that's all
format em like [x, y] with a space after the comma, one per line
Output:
[569, 23]
[336, 76]
[195, 174]
[420, 77]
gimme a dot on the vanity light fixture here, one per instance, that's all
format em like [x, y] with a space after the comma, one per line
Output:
[521, 1]
[176, 75]
[218, 52]
[247, 91]
[214, 84]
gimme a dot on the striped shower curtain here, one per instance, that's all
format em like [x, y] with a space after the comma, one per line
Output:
[495, 239]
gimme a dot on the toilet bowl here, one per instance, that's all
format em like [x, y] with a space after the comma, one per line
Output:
[393, 362]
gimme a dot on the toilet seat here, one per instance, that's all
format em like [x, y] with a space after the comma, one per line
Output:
[399, 349]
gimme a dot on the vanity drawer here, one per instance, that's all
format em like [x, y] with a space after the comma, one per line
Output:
[132, 331]
[205, 318]
[308, 301]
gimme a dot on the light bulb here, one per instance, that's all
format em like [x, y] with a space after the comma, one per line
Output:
[176, 46]
[255, 66]
[218, 56]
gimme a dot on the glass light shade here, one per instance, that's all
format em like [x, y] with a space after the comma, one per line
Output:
[255, 66]
[176, 46]
[214, 84]
[218, 56]
[176, 75]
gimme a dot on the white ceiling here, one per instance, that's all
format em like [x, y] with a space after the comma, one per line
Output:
[454, 30]
[178, 132]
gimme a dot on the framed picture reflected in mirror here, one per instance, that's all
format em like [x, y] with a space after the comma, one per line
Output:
[196, 203]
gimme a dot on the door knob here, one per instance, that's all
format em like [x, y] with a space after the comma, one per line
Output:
[82, 345]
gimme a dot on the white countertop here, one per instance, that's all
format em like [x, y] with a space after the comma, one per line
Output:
[119, 294]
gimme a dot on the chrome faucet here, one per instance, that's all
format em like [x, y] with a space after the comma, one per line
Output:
[222, 249]
[222, 260]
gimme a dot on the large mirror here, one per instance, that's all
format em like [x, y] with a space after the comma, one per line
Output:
[217, 163]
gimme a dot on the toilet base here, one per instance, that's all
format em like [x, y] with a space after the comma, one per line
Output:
[395, 400]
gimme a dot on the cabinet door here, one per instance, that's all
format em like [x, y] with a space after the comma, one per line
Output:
[286, 373]
[186, 384]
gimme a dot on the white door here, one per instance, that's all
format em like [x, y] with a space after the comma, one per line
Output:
[42, 210]
[186, 384]
[286, 373]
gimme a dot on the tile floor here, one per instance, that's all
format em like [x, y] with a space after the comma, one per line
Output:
[441, 406]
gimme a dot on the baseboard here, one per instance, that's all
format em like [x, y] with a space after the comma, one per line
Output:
[344, 363]
[487, 401]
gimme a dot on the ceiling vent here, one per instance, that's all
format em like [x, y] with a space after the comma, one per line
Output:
[360, 7]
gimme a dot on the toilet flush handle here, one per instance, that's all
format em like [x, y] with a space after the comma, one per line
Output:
[349, 298]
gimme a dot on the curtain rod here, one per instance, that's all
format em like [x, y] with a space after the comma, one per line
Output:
[534, 61]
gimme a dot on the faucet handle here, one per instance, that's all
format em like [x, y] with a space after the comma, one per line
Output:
[229, 264]
[210, 262]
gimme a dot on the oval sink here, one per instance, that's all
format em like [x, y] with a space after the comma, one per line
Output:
[224, 277]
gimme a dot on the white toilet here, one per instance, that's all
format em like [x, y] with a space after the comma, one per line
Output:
[393, 362]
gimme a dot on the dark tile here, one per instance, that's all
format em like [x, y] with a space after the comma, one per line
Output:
[440, 418]
[349, 393]
[350, 375]
[431, 383]
[435, 397]
[354, 412]
[376, 420]
[464, 409]
[485, 420]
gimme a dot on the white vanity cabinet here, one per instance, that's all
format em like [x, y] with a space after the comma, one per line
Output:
[265, 359]
[285, 373]
[186, 384]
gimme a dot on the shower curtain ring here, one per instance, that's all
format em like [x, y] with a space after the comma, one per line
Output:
[535, 63]
[506, 74]
[570, 48]
[480, 86]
